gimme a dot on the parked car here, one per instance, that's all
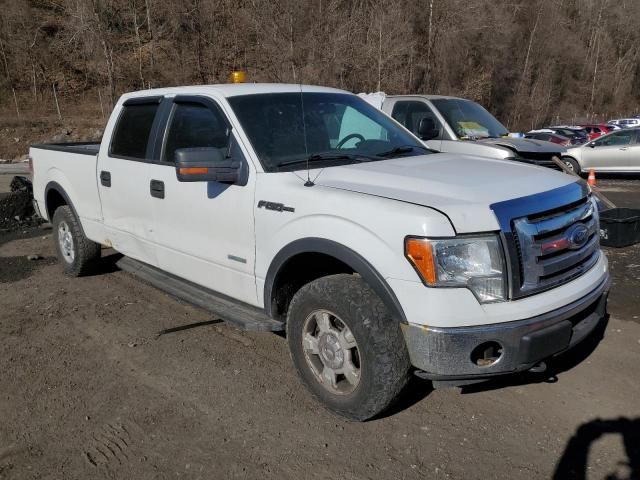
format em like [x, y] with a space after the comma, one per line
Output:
[579, 135]
[629, 122]
[575, 135]
[305, 209]
[458, 125]
[618, 151]
[550, 137]
[595, 131]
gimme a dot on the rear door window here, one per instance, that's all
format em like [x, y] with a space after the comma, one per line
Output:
[131, 134]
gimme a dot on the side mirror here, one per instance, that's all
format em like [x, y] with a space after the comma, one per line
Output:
[427, 129]
[206, 164]
[591, 145]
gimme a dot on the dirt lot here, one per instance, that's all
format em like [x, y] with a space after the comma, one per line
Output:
[89, 389]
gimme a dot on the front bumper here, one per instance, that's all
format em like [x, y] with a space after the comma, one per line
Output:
[449, 353]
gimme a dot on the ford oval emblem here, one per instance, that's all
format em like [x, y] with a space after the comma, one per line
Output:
[577, 236]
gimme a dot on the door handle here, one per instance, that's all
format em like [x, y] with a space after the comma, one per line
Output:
[105, 178]
[623, 148]
[156, 188]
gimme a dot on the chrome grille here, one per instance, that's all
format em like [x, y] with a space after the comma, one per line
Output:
[555, 246]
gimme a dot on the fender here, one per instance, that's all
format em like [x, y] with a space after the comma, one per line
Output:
[58, 188]
[347, 256]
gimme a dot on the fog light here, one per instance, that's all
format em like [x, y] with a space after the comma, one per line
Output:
[486, 354]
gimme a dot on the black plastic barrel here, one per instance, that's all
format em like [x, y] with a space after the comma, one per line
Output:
[619, 227]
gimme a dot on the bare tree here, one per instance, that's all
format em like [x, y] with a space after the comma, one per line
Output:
[527, 61]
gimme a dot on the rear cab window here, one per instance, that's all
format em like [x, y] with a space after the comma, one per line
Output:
[131, 134]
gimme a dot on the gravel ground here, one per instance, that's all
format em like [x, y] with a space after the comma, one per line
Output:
[91, 388]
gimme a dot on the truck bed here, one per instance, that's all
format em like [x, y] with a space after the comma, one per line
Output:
[83, 148]
[71, 167]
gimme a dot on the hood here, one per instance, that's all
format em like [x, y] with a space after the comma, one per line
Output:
[461, 186]
[524, 144]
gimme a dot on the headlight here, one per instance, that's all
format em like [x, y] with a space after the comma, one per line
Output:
[476, 263]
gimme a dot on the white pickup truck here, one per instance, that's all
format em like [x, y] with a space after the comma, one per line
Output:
[458, 125]
[305, 209]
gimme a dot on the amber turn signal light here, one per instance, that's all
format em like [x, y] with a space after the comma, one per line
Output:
[194, 170]
[419, 251]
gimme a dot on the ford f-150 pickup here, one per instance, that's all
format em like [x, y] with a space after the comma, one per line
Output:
[306, 210]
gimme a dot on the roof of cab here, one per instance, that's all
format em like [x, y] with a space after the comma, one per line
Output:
[232, 89]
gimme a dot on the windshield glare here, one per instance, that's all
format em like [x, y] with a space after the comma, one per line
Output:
[468, 119]
[334, 124]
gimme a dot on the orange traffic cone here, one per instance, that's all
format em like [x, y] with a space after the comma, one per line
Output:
[592, 178]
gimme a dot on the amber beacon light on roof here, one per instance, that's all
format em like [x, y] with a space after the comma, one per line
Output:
[238, 76]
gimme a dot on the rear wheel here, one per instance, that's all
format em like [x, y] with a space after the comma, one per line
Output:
[76, 253]
[348, 351]
[572, 165]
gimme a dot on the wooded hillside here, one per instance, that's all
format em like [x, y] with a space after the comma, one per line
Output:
[528, 61]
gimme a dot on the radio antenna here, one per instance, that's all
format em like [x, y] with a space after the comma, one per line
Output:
[308, 183]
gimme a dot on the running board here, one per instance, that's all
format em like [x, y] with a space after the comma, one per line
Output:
[238, 314]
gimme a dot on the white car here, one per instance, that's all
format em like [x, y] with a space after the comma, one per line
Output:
[618, 151]
[305, 209]
[629, 122]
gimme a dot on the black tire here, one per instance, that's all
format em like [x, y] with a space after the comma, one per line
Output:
[384, 366]
[85, 252]
[572, 164]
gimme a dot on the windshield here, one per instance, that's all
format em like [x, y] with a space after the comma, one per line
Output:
[468, 119]
[338, 128]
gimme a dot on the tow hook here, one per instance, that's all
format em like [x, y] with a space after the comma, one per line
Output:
[538, 367]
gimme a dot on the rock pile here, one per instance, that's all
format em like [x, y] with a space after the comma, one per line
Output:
[16, 208]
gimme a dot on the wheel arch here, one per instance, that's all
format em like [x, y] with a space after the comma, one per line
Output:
[332, 257]
[575, 159]
[55, 196]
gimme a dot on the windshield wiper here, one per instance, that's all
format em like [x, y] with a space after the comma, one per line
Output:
[401, 150]
[317, 157]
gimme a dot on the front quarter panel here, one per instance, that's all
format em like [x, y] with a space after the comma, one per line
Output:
[576, 153]
[374, 227]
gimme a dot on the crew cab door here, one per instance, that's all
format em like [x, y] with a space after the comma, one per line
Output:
[204, 231]
[124, 175]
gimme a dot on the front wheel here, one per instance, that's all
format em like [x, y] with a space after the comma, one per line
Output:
[348, 351]
[572, 165]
